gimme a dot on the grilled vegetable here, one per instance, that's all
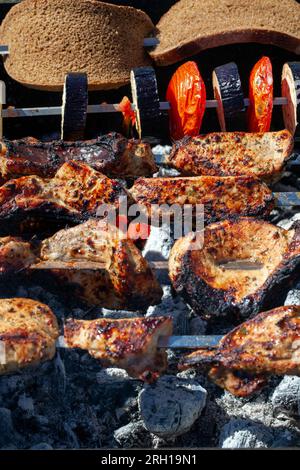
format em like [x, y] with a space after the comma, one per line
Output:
[186, 94]
[230, 97]
[145, 98]
[128, 115]
[260, 96]
[74, 106]
[267, 258]
[290, 88]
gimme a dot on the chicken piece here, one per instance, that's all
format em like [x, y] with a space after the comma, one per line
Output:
[119, 276]
[111, 154]
[130, 344]
[28, 333]
[74, 194]
[268, 344]
[15, 255]
[221, 197]
[262, 155]
[200, 269]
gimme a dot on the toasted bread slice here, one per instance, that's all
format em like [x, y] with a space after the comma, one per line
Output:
[262, 155]
[190, 27]
[49, 38]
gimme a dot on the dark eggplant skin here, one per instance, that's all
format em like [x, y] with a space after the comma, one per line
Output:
[211, 303]
[146, 99]
[74, 106]
[291, 70]
[228, 89]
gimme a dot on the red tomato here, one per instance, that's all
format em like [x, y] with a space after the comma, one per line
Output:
[260, 96]
[186, 94]
[138, 231]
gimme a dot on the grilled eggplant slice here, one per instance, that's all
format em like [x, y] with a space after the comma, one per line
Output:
[127, 343]
[201, 274]
[145, 98]
[290, 88]
[75, 194]
[263, 155]
[229, 94]
[268, 344]
[74, 106]
[111, 154]
[222, 197]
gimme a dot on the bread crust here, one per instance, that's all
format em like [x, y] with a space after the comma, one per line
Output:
[241, 22]
[49, 38]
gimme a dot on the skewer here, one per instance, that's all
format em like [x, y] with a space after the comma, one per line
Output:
[12, 112]
[174, 342]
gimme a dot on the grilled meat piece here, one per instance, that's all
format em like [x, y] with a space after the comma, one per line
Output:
[15, 255]
[130, 344]
[200, 272]
[222, 197]
[111, 154]
[119, 276]
[234, 154]
[268, 344]
[74, 194]
[28, 332]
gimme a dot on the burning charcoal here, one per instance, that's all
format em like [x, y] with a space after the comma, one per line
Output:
[8, 435]
[172, 306]
[293, 297]
[242, 434]
[171, 405]
[133, 434]
[111, 375]
[286, 397]
[41, 446]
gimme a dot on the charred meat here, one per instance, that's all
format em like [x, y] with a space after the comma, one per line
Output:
[221, 197]
[74, 194]
[28, 332]
[130, 344]
[111, 154]
[242, 267]
[101, 267]
[268, 344]
[262, 155]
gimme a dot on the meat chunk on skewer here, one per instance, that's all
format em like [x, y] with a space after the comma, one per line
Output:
[262, 155]
[101, 266]
[268, 344]
[28, 333]
[111, 154]
[130, 344]
[221, 196]
[119, 276]
[75, 193]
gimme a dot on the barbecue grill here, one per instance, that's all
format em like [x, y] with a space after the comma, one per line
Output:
[74, 417]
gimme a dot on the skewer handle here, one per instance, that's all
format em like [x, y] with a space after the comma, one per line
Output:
[2, 102]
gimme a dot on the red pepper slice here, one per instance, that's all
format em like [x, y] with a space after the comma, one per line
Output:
[260, 96]
[128, 115]
[186, 94]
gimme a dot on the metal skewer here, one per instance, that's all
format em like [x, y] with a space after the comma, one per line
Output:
[174, 342]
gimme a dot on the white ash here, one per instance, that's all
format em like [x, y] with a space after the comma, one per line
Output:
[286, 398]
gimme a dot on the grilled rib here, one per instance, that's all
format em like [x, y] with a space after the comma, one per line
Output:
[130, 344]
[199, 274]
[111, 154]
[262, 155]
[222, 197]
[268, 344]
[112, 274]
[28, 333]
[74, 194]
